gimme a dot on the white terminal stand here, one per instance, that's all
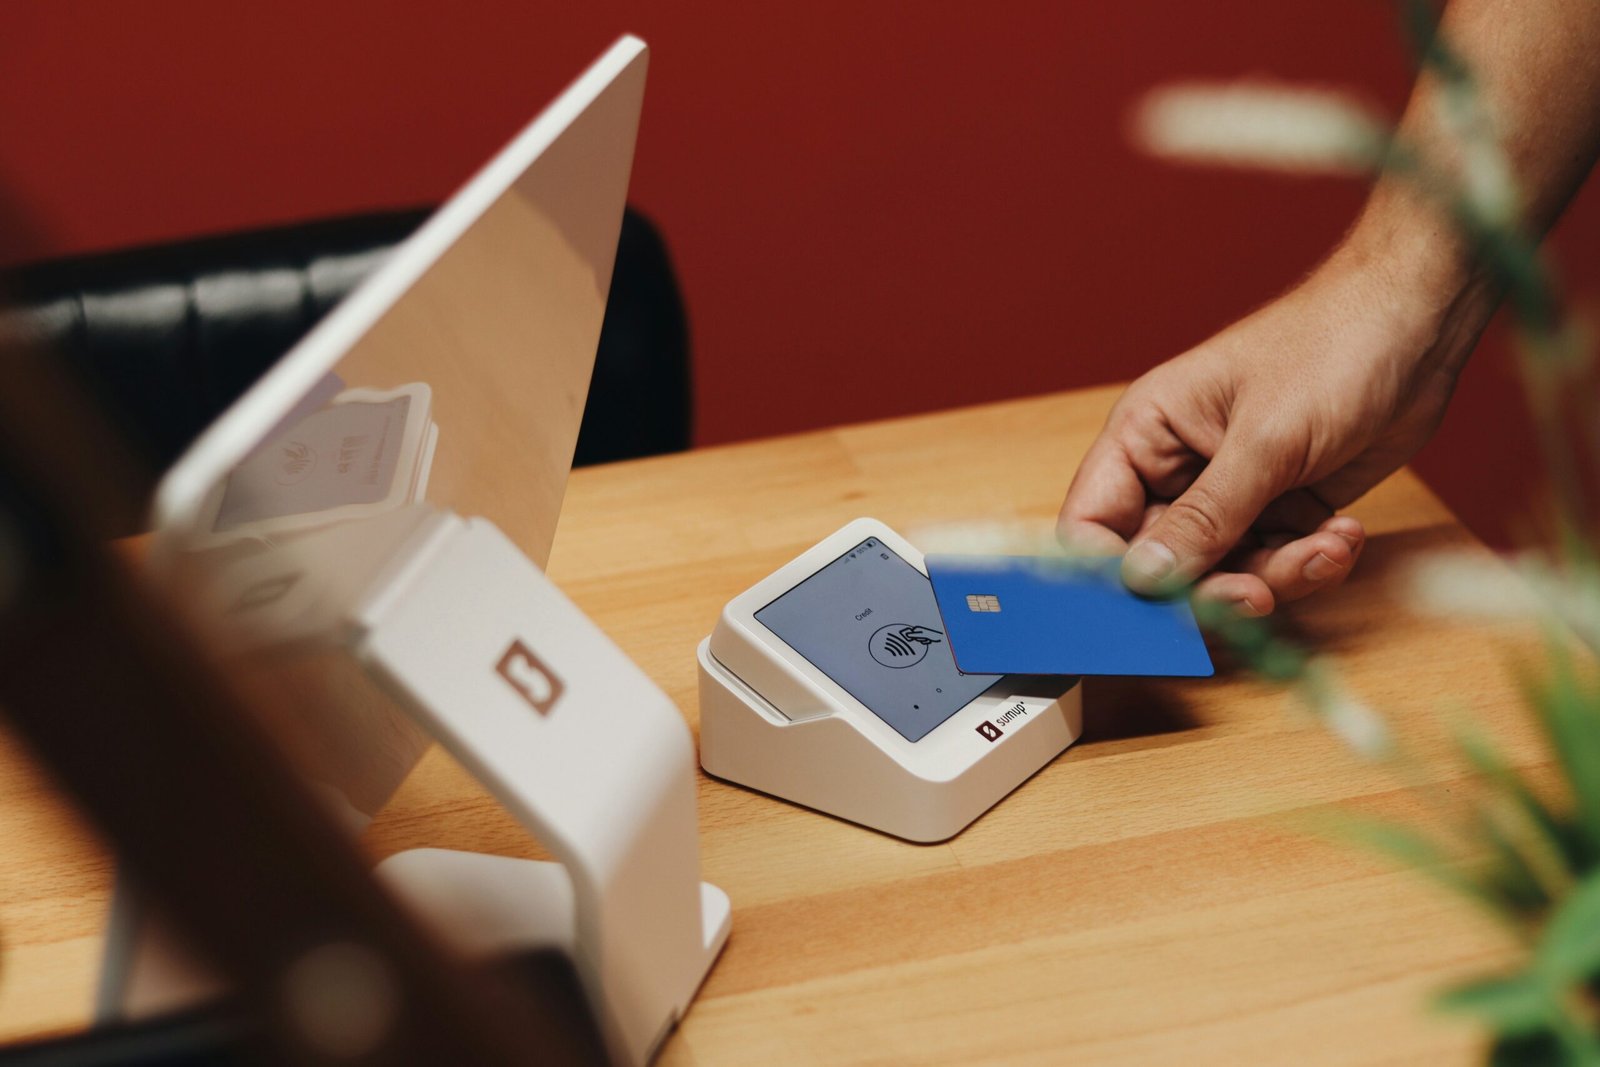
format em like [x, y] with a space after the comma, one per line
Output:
[557, 722]
[772, 720]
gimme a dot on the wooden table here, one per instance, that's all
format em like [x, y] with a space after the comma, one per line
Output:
[1151, 896]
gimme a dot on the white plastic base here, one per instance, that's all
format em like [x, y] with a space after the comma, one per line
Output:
[487, 905]
[826, 763]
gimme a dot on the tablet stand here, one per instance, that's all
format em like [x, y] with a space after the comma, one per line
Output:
[572, 737]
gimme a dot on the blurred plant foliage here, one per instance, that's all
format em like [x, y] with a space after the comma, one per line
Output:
[1528, 857]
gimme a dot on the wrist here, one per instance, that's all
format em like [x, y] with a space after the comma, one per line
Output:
[1412, 243]
[1417, 270]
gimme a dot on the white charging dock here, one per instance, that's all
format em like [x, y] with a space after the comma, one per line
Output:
[828, 684]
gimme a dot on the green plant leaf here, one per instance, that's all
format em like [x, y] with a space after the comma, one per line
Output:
[1508, 872]
[1561, 838]
[1570, 714]
[1569, 950]
[1281, 661]
[1420, 20]
[1252, 641]
[1513, 1007]
[1528, 1050]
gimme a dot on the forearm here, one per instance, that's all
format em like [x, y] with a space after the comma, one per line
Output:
[1537, 65]
[1536, 68]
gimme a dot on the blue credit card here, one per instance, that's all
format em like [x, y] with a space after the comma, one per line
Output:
[1027, 615]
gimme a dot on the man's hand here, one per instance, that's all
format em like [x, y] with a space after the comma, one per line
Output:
[1227, 464]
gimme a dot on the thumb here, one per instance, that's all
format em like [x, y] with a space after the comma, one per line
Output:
[1204, 524]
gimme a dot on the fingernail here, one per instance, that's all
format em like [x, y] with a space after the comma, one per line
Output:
[1246, 610]
[1147, 565]
[1321, 568]
[1350, 539]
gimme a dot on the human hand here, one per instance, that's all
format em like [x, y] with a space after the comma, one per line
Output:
[1225, 466]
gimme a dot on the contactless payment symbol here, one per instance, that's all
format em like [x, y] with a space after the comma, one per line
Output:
[295, 460]
[900, 644]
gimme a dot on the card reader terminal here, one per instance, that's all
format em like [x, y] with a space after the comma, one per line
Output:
[830, 684]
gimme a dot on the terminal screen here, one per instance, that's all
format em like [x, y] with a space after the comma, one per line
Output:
[869, 621]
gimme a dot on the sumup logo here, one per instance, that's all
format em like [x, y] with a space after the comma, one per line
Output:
[990, 730]
[527, 674]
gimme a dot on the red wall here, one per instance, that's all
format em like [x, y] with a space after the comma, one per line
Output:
[876, 208]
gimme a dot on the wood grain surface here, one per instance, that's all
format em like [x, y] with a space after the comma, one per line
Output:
[1156, 894]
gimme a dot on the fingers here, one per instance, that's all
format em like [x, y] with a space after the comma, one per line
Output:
[1105, 503]
[1318, 561]
[1292, 569]
[1274, 543]
[1205, 523]
[1247, 594]
[1088, 539]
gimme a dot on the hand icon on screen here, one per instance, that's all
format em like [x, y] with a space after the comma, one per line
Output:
[900, 644]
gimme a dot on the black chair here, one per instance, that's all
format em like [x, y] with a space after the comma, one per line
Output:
[167, 337]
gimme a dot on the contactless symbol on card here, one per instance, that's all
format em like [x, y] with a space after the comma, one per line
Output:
[902, 644]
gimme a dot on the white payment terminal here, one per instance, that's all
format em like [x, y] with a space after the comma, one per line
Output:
[829, 683]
